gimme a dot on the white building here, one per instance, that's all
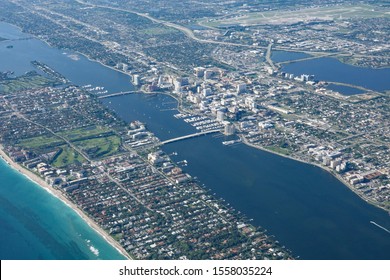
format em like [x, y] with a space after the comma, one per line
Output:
[229, 129]
[220, 116]
[136, 81]
[206, 92]
[241, 88]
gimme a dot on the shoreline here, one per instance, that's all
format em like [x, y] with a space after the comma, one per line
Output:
[76, 209]
[330, 171]
[59, 195]
[324, 168]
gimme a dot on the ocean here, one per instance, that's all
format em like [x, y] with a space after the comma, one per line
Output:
[37, 225]
[302, 206]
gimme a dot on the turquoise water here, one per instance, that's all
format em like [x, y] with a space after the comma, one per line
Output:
[33, 223]
[306, 208]
[37, 225]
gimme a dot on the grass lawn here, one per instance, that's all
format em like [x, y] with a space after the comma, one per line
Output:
[41, 142]
[95, 141]
[279, 150]
[24, 83]
[67, 156]
[84, 132]
[100, 147]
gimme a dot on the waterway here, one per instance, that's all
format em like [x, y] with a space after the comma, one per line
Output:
[77, 68]
[331, 69]
[33, 223]
[304, 207]
[282, 56]
[345, 90]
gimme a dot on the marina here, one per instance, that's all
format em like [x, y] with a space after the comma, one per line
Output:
[304, 207]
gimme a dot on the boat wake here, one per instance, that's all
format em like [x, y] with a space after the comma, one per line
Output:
[379, 226]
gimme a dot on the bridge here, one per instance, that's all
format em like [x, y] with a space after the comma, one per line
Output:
[279, 64]
[116, 94]
[268, 57]
[190, 136]
[353, 86]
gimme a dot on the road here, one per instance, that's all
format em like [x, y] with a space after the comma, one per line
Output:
[188, 32]
[268, 57]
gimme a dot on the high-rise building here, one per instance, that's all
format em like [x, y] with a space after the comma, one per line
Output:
[136, 81]
[208, 74]
[199, 71]
[220, 116]
[229, 129]
[177, 85]
[206, 92]
[241, 88]
[160, 81]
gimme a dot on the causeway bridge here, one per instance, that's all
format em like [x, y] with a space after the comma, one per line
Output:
[190, 136]
[116, 94]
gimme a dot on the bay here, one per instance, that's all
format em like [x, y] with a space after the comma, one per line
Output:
[331, 69]
[304, 207]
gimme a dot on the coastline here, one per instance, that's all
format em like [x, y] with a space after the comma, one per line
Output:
[330, 171]
[92, 223]
[40, 182]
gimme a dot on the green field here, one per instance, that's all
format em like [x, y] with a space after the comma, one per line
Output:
[67, 156]
[100, 147]
[41, 142]
[95, 141]
[23, 83]
[157, 31]
[279, 150]
[318, 13]
[85, 133]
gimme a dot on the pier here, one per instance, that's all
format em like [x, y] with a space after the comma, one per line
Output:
[190, 136]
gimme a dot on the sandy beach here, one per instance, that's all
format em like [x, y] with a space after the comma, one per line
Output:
[38, 180]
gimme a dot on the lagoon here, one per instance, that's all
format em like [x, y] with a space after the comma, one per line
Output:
[304, 207]
[331, 69]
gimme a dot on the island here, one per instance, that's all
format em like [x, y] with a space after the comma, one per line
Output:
[218, 62]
